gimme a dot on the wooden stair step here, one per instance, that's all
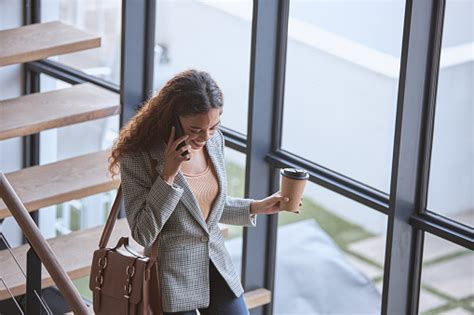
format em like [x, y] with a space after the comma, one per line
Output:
[41, 40]
[253, 299]
[257, 297]
[58, 182]
[33, 113]
[74, 252]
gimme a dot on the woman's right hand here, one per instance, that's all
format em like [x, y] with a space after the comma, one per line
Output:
[173, 158]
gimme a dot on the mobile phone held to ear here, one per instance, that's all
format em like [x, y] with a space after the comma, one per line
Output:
[178, 134]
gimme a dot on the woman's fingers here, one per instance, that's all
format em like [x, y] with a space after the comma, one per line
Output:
[170, 140]
[284, 199]
[280, 197]
[185, 157]
[185, 148]
[178, 141]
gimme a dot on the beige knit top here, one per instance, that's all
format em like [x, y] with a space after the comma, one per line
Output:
[205, 187]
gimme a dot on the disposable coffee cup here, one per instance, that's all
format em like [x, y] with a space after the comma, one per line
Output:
[292, 185]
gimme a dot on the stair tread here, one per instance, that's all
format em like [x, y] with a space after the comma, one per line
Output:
[58, 182]
[41, 40]
[74, 252]
[264, 297]
[33, 113]
[257, 297]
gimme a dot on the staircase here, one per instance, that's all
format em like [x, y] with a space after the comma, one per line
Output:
[68, 179]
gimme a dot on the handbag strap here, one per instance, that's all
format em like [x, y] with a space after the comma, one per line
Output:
[109, 225]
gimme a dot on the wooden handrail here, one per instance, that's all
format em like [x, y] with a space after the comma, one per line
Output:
[41, 247]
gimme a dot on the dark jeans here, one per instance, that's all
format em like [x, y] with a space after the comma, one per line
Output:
[223, 300]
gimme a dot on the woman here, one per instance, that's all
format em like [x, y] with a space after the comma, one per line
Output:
[178, 196]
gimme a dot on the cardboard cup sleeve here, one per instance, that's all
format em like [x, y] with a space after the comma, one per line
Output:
[292, 184]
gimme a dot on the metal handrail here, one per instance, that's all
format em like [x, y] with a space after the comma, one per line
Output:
[41, 247]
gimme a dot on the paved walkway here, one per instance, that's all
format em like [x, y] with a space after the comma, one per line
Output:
[318, 278]
[447, 275]
[313, 276]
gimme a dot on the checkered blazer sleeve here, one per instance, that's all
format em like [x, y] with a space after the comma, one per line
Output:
[236, 210]
[148, 202]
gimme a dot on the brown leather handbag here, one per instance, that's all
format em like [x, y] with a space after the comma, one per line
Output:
[123, 281]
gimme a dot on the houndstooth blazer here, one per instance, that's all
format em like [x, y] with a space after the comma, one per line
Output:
[171, 214]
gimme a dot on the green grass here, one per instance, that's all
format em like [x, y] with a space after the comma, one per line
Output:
[451, 303]
[463, 304]
[458, 253]
[340, 230]
[82, 285]
[235, 179]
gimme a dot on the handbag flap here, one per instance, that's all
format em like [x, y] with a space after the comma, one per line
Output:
[118, 268]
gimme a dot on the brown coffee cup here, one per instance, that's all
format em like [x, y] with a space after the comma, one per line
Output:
[292, 185]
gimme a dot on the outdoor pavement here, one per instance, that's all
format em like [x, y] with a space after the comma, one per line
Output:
[313, 276]
[447, 275]
[319, 278]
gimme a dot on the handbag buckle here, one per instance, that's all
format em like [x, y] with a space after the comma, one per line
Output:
[99, 279]
[130, 271]
[128, 290]
[102, 262]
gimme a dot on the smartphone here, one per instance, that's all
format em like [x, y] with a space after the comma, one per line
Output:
[178, 134]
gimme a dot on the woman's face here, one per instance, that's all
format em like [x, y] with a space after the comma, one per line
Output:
[201, 127]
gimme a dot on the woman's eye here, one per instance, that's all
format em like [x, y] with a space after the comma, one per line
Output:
[199, 131]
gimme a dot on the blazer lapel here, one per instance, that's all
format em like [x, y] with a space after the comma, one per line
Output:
[213, 148]
[188, 198]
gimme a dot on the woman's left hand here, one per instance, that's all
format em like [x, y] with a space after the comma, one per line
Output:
[269, 205]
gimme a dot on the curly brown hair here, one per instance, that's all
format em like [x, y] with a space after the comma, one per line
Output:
[188, 93]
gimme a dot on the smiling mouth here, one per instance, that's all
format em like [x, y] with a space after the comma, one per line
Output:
[199, 144]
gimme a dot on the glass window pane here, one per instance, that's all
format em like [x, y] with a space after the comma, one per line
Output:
[98, 17]
[235, 169]
[330, 256]
[216, 40]
[447, 278]
[451, 184]
[341, 85]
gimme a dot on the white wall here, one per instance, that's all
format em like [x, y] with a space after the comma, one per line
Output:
[198, 36]
[451, 186]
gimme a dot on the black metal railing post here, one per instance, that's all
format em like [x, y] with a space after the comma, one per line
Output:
[31, 157]
[33, 283]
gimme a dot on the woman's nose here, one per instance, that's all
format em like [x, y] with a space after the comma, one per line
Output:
[207, 135]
